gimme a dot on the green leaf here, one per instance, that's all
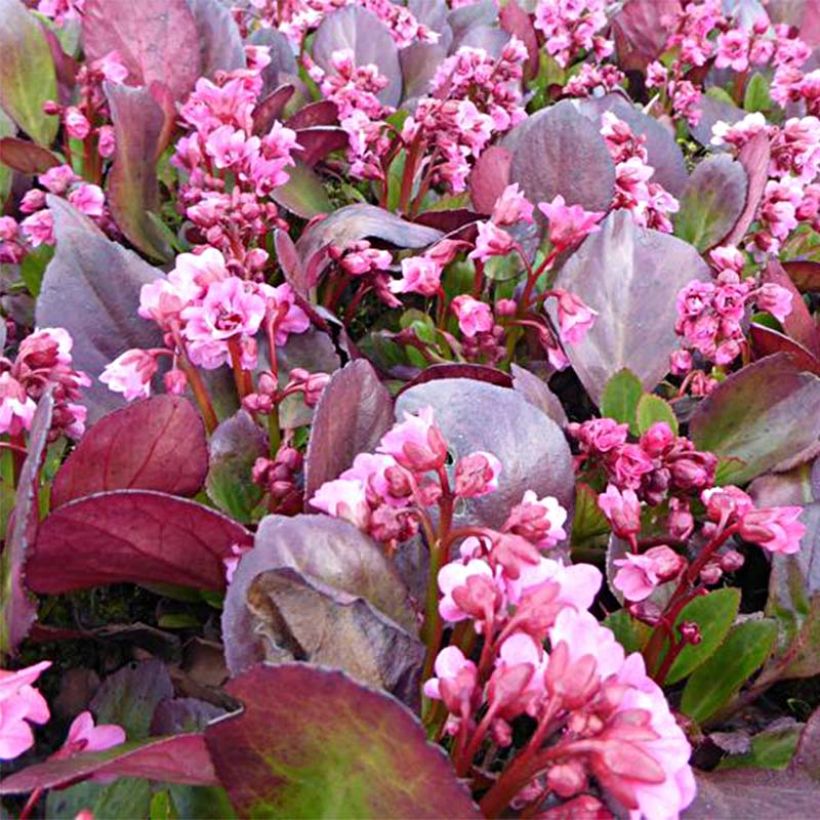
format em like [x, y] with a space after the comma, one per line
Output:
[312, 743]
[7, 129]
[630, 633]
[27, 76]
[652, 409]
[620, 398]
[744, 651]
[714, 614]
[303, 194]
[588, 521]
[34, 266]
[162, 807]
[771, 749]
[757, 97]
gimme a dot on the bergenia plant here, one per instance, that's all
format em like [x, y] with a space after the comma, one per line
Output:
[409, 409]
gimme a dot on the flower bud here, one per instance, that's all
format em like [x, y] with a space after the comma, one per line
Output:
[690, 632]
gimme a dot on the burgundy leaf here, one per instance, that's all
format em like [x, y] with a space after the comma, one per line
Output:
[631, 276]
[474, 415]
[157, 40]
[641, 28]
[289, 262]
[804, 274]
[142, 536]
[91, 288]
[321, 549]
[355, 411]
[178, 715]
[177, 759]
[319, 113]
[559, 151]
[419, 62]
[18, 610]
[271, 108]
[489, 177]
[133, 190]
[453, 221]
[26, 157]
[767, 342]
[357, 29]
[754, 157]
[799, 324]
[155, 444]
[312, 743]
[319, 141]
[220, 43]
[479, 372]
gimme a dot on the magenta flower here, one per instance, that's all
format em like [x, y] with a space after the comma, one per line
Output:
[622, 510]
[574, 317]
[130, 374]
[20, 704]
[774, 299]
[733, 50]
[640, 574]
[39, 228]
[578, 583]
[416, 443]
[84, 736]
[774, 528]
[16, 406]
[89, 199]
[76, 123]
[288, 317]
[511, 207]
[568, 224]
[722, 503]
[474, 317]
[477, 474]
[419, 274]
[57, 179]
[491, 241]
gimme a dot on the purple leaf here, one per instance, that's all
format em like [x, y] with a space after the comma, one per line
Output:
[474, 415]
[27, 76]
[419, 62]
[713, 111]
[631, 276]
[18, 610]
[178, 759]
[146, 537]
[311, 742]
[479, 372]
[641, 29]
[300, 618]
[489, 177]
[282, 69]
[754, 157]
[559, 151]
[354, 412]
[91, 288]
[367, 37]
[712, 202]
[303, 194]
[157, 40]
[133, 190]
[360, 221]
[220, 43]
[804, 274]
[156, 444]
[271, 109]
[323, 112]
[538, 394]
[758, 415]
[175, 716]
[26, 157]
[322, 549]
[317, 142]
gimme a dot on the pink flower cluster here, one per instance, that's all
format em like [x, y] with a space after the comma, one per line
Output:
[710, 314]
[43, 361]
[209, 317]
[658, 465]
[599, 715]
[37, 228]
[473, 97]
[230, 171]
[572, 27]
[649, 202]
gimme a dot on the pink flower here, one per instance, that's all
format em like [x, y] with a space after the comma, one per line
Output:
[343, 498]
[107, 141]
[540, 520]
[473, 316]
[56, 180]
[574, 317]
[84, 736]
[640, 574]
[578, 583]
[517, 650]
[130, 374]
[455, 681]
[420, 274]
[600, 435]
[112, 67]
[491, 241]
[39, 228]
[622, 510]
[229, 146]
[477, 474]
[88, 199]
[286, 315]
[724, 503]
[733, 50]
[583, 635]
[230, 308]
[511, 207]
[16, 406]
[568, 224]
[775, 299]
[630, 465]
[416, 443]
[468, 591]
[20, 704]
[76, 124]
[774, 528]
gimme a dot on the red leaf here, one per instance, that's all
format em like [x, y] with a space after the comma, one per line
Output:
[271, 109]
[754, 157]
[489, 177]
[137, 536]
[323, 112]
[799, 324]
[26, 157]
[640, 31]
[155, 444]
[804, 274]
[767, 342]
[180, 759]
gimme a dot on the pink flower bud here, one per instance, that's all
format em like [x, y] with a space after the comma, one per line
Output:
[711, 574]
[567, 779]
[176, 382]
[732, 561]
[680, 523]
[76, 124]
[690, 632]
[477, 475]
[657, 439]
[622, 510]
[416, 443]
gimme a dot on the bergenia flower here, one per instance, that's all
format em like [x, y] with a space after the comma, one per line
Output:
[20, 705]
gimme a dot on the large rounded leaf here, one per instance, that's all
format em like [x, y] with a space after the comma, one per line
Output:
[559, 151]
[475, 415]
[320, 548]
[640, 30]
[368, 38]
[312, 743]
[762, 415]
[155, 444]
[220, 43]
[132, 535]
[631, 276]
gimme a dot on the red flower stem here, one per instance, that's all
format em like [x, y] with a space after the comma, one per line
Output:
[410, 161]
[465, 759]
[350, 312]
[200, 394]
[33, 800]
[241, 376]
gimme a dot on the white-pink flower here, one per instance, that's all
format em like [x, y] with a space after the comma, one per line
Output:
[578, 583]
[456, 575]
[16, 406]
[416, 443]
[288, 316]
[344, 498]
[130, 374]
[88, 199]
[419, 274]
[574, 317]
[20, 704]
